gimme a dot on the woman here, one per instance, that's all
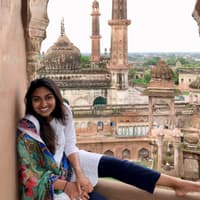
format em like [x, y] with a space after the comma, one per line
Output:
[52, 167]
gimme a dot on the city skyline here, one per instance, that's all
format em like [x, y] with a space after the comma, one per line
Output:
[156, 26]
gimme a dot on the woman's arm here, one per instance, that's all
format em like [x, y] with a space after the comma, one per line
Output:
[70, 133]
[71, 151]
[83, 182]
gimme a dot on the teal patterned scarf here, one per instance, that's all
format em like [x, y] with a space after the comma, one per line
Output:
[37, 169]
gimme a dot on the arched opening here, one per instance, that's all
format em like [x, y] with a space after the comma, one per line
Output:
[126, 154]
[100, 101]
[109, 153]
[143, 154]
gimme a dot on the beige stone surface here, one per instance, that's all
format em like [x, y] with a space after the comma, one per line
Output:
[119, 191]
[12, 87]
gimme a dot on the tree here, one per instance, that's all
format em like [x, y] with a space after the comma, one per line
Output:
[85, 60]
[175, 77]
[183, 61]
[172, 60]
[132, 73]
[151, 61]
[147, 77]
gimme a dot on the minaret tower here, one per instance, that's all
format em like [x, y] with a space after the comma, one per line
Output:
[95, 37]
[119, 44]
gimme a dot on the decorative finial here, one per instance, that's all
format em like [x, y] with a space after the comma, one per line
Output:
[95, 5]
[62, 27]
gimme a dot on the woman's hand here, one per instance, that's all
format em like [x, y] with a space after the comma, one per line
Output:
[83, 183]
[72, 191]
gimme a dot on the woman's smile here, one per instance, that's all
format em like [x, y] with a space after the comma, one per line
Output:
[44, 109]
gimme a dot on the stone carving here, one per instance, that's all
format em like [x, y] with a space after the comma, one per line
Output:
[196, 13]
[39, 7]
[35, 33]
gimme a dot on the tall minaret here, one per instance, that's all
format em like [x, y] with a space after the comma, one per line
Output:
[119, 44]
[95, 57]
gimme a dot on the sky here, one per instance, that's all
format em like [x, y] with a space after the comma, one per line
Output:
[156, 25]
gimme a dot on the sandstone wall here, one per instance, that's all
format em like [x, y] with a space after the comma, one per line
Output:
[12, 87]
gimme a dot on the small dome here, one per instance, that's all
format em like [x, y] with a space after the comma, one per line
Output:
[63, 54]
[162, 71]
[195, 84]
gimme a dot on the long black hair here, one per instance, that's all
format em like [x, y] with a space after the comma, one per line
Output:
[46, 132]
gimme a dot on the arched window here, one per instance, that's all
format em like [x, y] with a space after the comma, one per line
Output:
[126, 154]
[100, 101]
[109, 153]
[143, 154]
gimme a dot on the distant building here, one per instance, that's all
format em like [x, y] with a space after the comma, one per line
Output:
[187, 76]
[98, 92]
[109, 116]
[104, 80]
[195, 91]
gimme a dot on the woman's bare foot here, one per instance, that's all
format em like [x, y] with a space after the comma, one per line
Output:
[183, 187]
[180, 186]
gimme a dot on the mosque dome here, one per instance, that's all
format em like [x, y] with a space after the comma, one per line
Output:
[63, 54]
[195, 84]
[162, 71]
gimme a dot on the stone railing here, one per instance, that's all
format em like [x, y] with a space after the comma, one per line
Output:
[114, 190]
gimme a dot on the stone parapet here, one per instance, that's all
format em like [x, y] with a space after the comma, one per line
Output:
[115, 190]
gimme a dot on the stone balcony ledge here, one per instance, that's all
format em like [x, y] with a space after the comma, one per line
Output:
[115, 190]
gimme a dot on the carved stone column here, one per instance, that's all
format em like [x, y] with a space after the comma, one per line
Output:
[150, 115]
[176, 143]
[35, 32]
[173, 117]
[196, 13]
[160, 137]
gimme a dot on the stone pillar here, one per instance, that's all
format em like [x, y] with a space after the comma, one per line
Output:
[190, 98]
[173, 118]
[153, 153]
[35, 32]
[176, 144]
[160, 137]
[150, 115]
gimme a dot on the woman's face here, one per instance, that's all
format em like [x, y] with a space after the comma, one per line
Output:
[43, 102]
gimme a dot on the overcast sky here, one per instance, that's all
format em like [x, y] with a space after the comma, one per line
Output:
[156, 25]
